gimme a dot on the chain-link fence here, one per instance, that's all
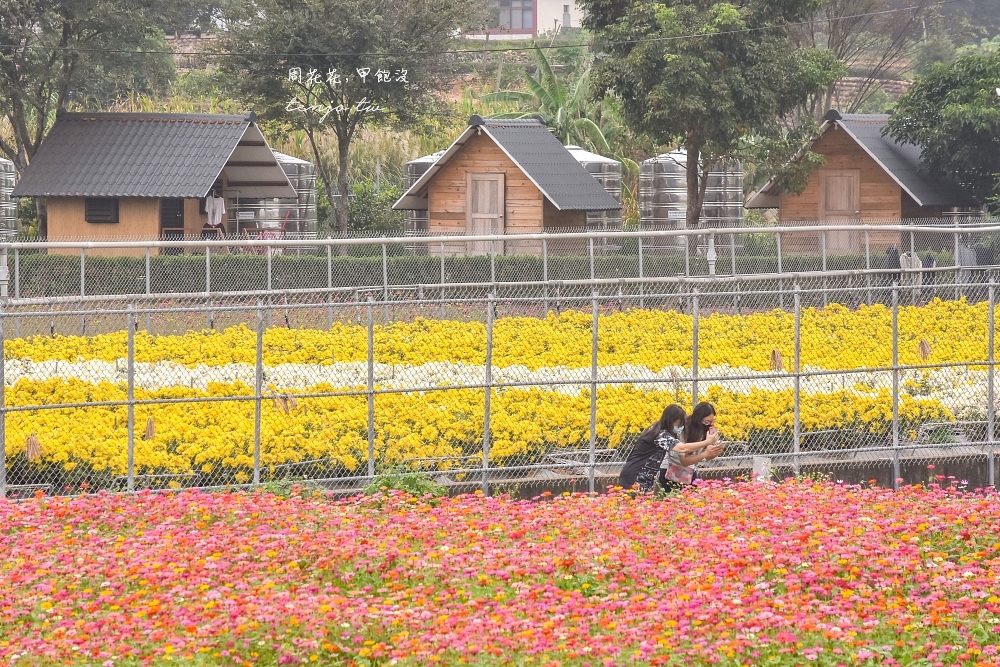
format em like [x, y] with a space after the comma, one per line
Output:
[927, 252]
[513, 382]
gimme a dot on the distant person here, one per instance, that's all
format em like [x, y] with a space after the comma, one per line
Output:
[928, 262]
[700, 444]
[652, 447]
[212, 232]
[892, 262]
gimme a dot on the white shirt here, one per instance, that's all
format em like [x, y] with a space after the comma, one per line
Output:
[215, 207]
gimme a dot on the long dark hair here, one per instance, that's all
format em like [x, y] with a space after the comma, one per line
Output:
[671, 414]
[695, 431]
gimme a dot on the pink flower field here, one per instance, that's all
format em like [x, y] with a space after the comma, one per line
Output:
[729, 574]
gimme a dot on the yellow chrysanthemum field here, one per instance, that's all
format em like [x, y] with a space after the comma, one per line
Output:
[645, 357]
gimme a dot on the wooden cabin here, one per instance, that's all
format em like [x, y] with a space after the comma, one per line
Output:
[866, 177]
[505, 177]
[145, 176]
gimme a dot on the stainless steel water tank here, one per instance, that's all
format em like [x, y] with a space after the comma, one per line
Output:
[663, 194]
[608, 173]
[8, 206]
[415, 222]
[297, 216]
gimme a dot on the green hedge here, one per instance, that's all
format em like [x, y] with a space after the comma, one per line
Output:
[59, 275]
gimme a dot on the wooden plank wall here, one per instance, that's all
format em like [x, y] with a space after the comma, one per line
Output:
[194, 220]
[139, 219]
[881, 197]
[446, 197]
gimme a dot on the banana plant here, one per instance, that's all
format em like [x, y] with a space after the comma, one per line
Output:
[562, 106]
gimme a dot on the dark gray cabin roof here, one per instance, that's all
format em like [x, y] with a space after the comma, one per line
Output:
[537, 153]
[150, 155]
[900, 161]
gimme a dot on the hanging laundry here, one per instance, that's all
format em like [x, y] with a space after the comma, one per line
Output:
[215, 207]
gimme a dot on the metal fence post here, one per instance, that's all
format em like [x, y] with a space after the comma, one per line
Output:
[132, 323]
[269, 280]
[329, 286]
[258, 390]
[694, 349]
[371, 387]
[545, 275]
[642, 284]
[590, 252]
[148, 281]
[895, 386]
[593, 391]
[4, 274]
[3, 406]
[913, 287]
[822, 244]
[687, 257]
[83, 290]
[990, 396]
[210, 316]
[868, 266]
[956, 263]
[796, 383]
[17, 273]
[781, 286]
[732, 253]
[493, 263]
[488, 393]
[385, 283]
[441, 309]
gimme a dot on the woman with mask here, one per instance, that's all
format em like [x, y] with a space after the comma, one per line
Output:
[652, 446]
[700, 444]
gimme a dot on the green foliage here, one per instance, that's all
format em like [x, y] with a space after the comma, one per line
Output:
[371, 212]
[932, 51]
[705, 94]
[288, 488]
[985, 47]
[786, 158]
[562, 104]
[414, 483]
[73, 52]
[877, 101]
[330, 36]
[953, 114]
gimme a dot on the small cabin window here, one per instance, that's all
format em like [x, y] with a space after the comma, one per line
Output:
[101, 209]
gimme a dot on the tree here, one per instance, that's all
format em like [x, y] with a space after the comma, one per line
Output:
[54, 52]
[58, 53]
[954, 115]
[561, 104]
[873, 39]
[700, 74]
[318, 64]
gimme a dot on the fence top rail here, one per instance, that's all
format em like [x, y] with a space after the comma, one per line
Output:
[551, 236]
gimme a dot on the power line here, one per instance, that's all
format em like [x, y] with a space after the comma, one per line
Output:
[645, 40]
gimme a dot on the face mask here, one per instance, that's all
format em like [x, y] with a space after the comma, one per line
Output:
[678, 430]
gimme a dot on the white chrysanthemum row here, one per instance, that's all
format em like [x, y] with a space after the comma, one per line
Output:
[961, 390]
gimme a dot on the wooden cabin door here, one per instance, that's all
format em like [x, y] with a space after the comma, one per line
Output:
[840, 196]
[485, 205]
[171, 223]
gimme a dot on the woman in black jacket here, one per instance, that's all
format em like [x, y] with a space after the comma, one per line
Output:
[653, 444]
